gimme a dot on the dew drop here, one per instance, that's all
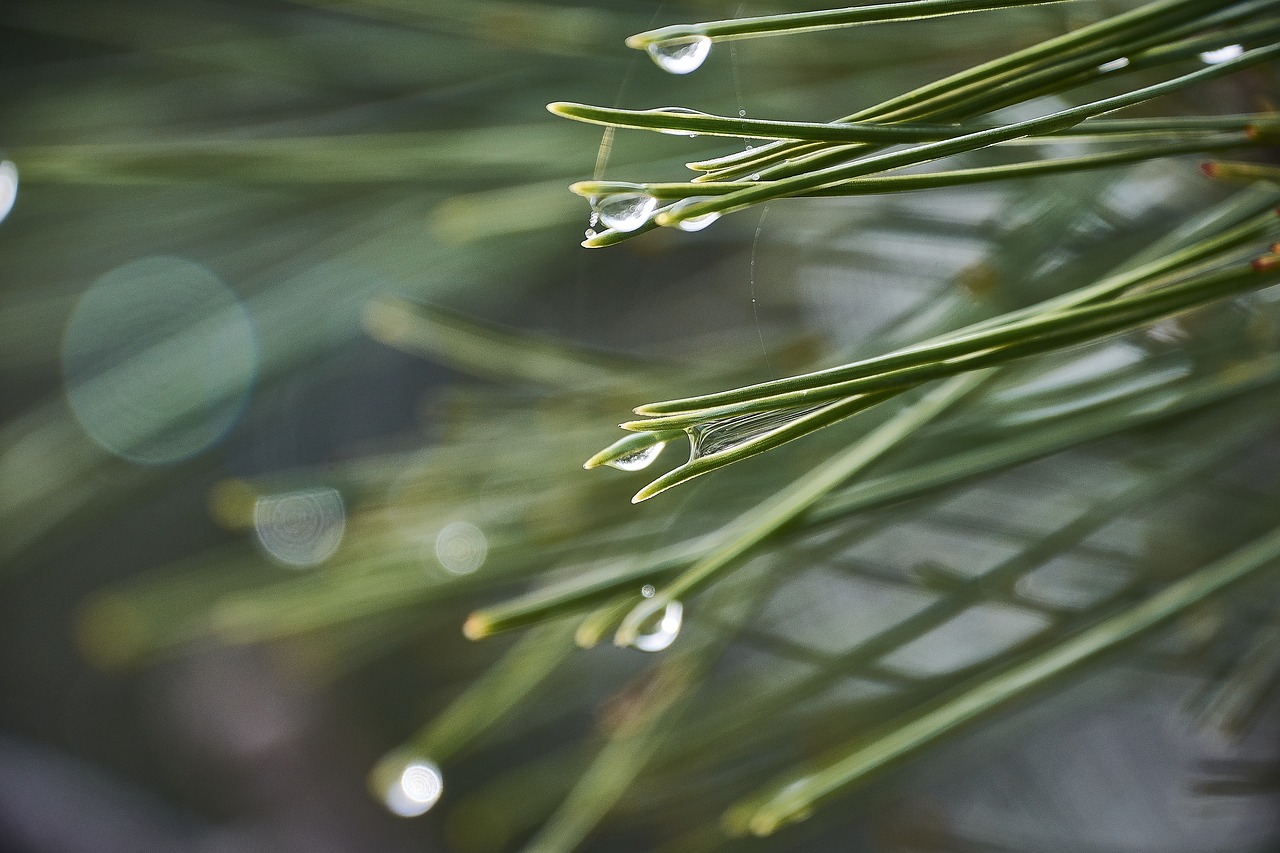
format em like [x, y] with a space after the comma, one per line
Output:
[1222, 54]
[648, 591]
[416, 790]
[742, 113]
[626, 211]
[696, 223]
[642, 458]
[684, 111]
[682, 55]
[664, 632]
[589, 233]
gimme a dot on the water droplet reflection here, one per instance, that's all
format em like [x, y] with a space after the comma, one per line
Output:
[695, 223]
[416, 791]
[684, 111]
[626, 211]
[8, 187]
[664, 633]
[461, 548]
[301, 528]
[1222, 54]
[642, 458]
[682, 55]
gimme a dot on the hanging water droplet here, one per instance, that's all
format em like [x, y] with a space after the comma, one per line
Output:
[642, 458]
[682, 55]
[695, 223]
[664, 633]
[625, 211]
[684, 111]
[648, 591]
[1222, 54]
[416, 791]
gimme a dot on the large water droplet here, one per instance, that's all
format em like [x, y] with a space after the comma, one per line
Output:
[682, 55]
[664, 633]
[626, 211]
[648, 591]
[684, 111]
[642, 458]
[696, 223]
[416, 791]
[1222, 54]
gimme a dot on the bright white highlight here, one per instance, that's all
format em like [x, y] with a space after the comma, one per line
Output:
[8, 188]
[416, 791]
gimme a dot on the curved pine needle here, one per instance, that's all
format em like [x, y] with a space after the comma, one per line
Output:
[826, 19]
[936, 150]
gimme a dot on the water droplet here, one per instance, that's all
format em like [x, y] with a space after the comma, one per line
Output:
[696, 223]
[742, 113]
[1222, 54]
[589, 233]
[682, 55]
[626, 211]
[416, 791]
[684, 111]
[8, 187]
[461, 548]
[715, 436]
[642, 458]
[755, 176]
[664, 633]
[1114, 65]
[301, 528]
[648, 591]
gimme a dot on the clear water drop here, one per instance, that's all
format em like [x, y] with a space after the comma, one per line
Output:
[742, 113]
[589, 233]
[682, 55]
[755, 176]
[1222, 54]
[648, 591]
[696, 223]
[664, 632]
[626, 211]
[642, 458]
[684, 111]
[416, 790]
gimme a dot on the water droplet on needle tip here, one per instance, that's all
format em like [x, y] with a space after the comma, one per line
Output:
[680, 55]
